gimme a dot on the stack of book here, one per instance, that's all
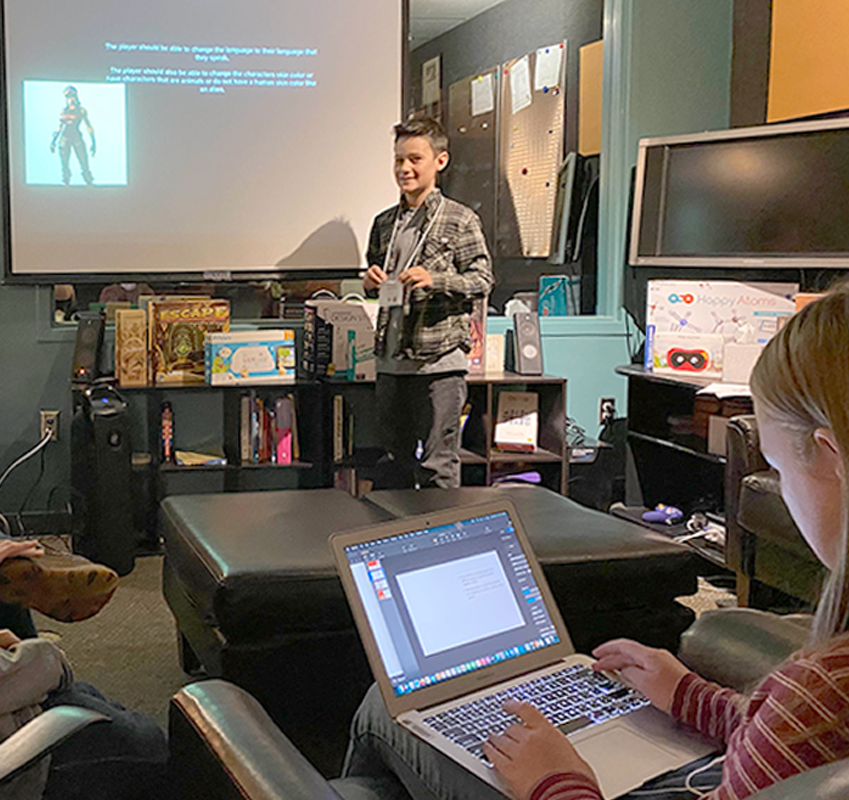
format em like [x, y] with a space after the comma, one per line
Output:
[269, 430]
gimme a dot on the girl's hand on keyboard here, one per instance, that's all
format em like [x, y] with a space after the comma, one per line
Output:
[656, 673]
[531, 750]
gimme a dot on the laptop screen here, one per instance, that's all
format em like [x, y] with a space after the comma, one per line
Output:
[449, 600]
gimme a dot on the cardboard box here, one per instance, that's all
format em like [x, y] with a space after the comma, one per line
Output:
[349, 356]
[747, 313]
[739, 360]
[517, 421]
[177, 330]
[803, 298]
[494, 361]
[131, 347]
[249, 357]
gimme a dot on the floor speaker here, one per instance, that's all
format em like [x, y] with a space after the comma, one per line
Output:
[102, 478]
[528, 344]
[87, 347]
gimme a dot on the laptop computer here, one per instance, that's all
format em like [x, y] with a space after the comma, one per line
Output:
[456, 616]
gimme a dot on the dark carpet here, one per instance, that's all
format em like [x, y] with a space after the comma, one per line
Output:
[129, 649]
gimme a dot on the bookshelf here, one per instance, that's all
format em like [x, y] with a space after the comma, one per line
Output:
[208, 418]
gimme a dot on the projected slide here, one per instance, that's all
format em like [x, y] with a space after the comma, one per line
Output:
[474, 601]
[178, 136]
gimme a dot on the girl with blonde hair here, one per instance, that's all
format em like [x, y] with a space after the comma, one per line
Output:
[798, 717]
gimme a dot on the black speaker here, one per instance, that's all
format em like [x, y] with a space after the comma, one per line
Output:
[528, 344]
[87, 348]
[102, 479]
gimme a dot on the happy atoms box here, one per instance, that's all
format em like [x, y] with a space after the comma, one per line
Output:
[250, 357]
[688, 321]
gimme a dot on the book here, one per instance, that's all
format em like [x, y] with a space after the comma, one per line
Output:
[255, 414]
[296, 445]
[283, 430]
[189, 458]
[477, 334]
[517, 422]
[131, 347]
[338, 428]
[245, 429]
[177, 335]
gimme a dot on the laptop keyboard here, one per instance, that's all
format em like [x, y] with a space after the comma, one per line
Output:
[571, 698]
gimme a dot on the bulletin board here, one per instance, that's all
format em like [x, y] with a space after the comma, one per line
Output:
[472, 130]
[591, 64]
[531, 129]
[809, 61]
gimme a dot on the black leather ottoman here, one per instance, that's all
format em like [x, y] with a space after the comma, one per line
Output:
[609, 576]
[251, 582]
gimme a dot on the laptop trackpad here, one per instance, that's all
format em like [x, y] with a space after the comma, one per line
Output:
[621, 758]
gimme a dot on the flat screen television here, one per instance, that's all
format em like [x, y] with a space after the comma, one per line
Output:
[760, 197]
[177, 137]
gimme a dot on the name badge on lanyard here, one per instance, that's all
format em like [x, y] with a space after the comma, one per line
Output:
[391, 293]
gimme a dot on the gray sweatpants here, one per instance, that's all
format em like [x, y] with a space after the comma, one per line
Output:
[426, 409]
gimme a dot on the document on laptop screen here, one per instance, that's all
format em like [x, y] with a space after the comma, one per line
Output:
[449, 600]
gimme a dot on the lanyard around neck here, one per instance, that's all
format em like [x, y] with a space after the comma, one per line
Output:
[419, 243]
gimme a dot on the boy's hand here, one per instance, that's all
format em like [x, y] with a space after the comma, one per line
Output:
[373, 278]
[8, 639]
[419, 277]
[25, 548]
[526, 753]
[656, 673]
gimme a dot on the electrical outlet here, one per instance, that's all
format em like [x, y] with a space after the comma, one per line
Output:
[50, 424]
[606, 409]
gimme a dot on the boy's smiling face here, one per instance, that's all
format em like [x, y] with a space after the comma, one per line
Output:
[416, 167]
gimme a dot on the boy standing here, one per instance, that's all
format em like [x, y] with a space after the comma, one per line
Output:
[428, 261]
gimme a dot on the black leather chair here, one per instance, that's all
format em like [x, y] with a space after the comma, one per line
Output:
[763, 544]
[225, 747]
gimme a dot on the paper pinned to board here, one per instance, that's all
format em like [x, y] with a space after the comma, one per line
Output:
[483, 95]
[520, 84]
[548, 67]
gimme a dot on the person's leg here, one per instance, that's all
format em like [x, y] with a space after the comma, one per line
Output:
[125, 758]
[704, 776]
[400, 406]
[380, 747]
[440, 464]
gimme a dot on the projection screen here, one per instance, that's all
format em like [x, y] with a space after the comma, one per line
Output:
[197, 136]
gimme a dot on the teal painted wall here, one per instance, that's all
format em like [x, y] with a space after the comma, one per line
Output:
[667, 71]
[35, 365]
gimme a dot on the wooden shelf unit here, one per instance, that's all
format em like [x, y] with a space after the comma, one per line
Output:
[209, 417]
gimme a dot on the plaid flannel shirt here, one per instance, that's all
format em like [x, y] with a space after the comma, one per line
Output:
[456, 256]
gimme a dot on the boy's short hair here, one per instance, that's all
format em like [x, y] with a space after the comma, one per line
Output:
[427, 127]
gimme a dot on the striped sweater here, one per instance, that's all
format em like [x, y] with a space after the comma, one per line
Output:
[797, 719]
